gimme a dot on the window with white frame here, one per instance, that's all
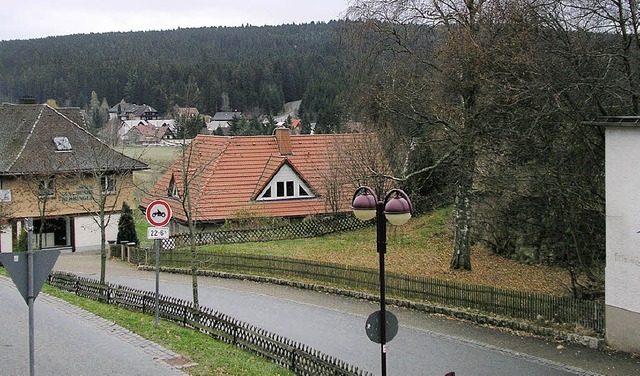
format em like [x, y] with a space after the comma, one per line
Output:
[46, 187]
[286, 184]
[62, 144]
[108, 184]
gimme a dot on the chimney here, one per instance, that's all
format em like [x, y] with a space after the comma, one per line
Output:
[283, 140]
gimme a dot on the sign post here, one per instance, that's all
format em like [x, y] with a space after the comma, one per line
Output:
[158, 215]
[29, 271]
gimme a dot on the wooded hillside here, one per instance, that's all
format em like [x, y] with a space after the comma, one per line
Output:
[250, 69]
[483, 107]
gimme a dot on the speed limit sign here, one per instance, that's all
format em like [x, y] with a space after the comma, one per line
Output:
[158, 213]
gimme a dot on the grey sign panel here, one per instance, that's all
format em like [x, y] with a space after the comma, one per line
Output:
[373, 326]
[16, 265]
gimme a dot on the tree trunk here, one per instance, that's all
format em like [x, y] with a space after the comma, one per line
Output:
[194, 267]
[103, 250]
[461, 258]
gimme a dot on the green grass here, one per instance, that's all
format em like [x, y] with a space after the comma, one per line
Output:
[213, 357]
[421, 248]
[158, 158]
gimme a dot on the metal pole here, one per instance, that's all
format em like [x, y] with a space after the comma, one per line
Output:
[381, 237]
[30, 294]
[157, 247]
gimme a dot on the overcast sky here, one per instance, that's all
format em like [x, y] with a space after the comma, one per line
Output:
[27, 19]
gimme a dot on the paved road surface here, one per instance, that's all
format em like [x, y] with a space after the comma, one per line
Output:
[425, 344]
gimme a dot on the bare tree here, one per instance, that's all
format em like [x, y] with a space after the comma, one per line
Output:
[353, 160]
[428, 54]
[495, 91]
[193, 163]
[103, 189]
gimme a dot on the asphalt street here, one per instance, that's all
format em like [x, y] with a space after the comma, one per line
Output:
[425, 344]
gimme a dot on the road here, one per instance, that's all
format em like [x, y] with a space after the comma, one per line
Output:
[425, 344]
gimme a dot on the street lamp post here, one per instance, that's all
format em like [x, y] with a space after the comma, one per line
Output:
[396, 208]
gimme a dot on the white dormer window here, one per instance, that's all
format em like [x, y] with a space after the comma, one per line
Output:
[286, 184]
[62, 144]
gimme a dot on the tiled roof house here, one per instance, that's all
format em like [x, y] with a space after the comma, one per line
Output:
[145, 133]
[281, 175]
[48, 153]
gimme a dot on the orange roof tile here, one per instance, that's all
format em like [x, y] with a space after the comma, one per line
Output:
[226, 174]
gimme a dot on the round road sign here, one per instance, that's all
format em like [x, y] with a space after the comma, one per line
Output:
[158, 213]
[373, 327]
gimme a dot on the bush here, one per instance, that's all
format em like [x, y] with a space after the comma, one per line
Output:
[21, 244]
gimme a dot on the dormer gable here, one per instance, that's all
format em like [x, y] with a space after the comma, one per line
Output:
[285, 184]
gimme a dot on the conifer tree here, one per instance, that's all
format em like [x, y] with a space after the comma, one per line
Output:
[127, 226]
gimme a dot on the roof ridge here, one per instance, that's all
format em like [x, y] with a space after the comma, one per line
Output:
[26, 140]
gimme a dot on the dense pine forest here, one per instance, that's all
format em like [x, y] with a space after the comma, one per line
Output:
[250, 69]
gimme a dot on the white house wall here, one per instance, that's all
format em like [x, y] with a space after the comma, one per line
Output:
[6, 241]
[622, 289]
[87, 232]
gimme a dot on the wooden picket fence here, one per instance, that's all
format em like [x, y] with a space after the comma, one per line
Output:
[305, 229]
[299, 359]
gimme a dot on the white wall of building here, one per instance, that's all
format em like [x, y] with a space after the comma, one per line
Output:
[87, 232]
[623, 217]
[622, 290]
[6, 242]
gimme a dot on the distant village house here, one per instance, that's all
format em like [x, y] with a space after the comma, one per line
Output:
[132, 111]
[221, 122]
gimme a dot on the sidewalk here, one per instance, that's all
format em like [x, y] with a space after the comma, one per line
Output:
[71, 341]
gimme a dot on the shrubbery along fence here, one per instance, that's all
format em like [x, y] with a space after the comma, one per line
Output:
[298, 358]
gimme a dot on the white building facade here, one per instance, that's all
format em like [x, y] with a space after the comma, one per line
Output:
[622, 291]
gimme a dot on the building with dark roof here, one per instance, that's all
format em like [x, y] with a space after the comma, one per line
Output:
[54, 171]
[132, 111]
